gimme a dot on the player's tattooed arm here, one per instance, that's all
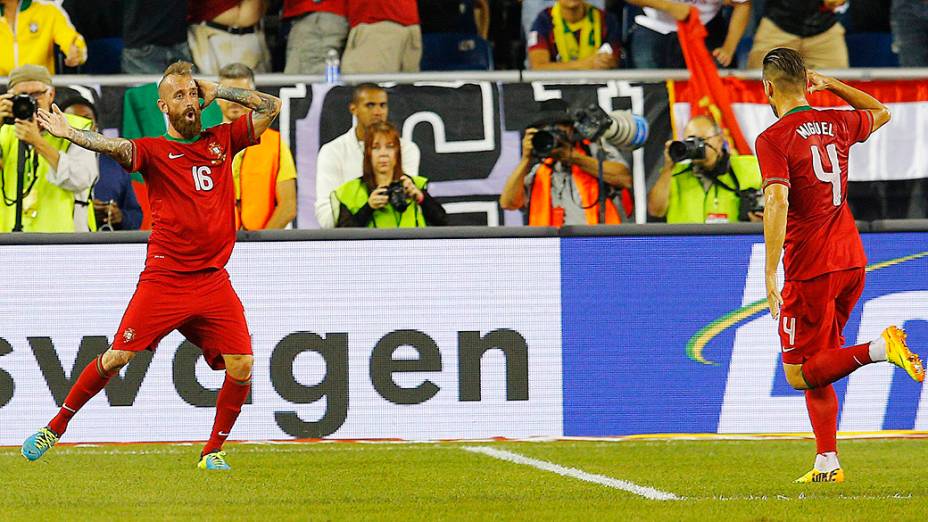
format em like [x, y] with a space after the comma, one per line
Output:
[120, 149]
[264, 105]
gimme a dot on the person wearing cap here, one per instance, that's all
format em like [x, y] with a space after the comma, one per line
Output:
[55, 170]
[30, 30]
[561, 187]
[114, 203]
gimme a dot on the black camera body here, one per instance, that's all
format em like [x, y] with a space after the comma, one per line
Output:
[548, 138]
[24, 108]
[752, 200]
[693, 148]
[396, 196]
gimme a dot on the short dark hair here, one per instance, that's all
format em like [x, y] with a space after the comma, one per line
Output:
[361, 88]
[785, 67]
[237, 71]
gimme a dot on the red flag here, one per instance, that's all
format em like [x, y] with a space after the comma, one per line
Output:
[704, 78]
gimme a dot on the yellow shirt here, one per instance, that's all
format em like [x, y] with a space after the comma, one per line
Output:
[39, 25]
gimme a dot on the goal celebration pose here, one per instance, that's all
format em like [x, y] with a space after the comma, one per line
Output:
[184, 285]
[804, 162]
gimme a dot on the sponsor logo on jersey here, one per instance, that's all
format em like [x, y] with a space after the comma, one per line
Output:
[171, 155]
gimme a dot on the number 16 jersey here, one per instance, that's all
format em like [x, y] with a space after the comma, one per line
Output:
[192, 195]
[807, 150]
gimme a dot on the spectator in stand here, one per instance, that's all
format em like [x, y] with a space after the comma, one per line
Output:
[264, 173]
[654, 41]
[318, 26]
[29, 32]
[342, 159]
[384, 196]
[909, 19]
[222, 32]
[114, 202]
[808, 26]
[574, 35]
[456, 16]
[531, 9]
[154, 37]
[385, 37]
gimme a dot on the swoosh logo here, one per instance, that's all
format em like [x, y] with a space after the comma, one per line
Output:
[223, 434]
[698, 342]
[174, 156]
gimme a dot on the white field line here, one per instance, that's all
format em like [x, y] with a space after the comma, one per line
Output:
[644, 491]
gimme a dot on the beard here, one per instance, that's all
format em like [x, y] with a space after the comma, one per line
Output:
[186, 122]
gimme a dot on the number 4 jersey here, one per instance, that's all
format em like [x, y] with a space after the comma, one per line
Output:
[192, 195]
[807, 150]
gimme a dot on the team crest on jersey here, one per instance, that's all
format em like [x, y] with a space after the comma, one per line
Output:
[219, 154]
[33, 28]
[128, 334]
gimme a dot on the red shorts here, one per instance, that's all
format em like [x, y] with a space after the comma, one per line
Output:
[201, 305]
[815, 311]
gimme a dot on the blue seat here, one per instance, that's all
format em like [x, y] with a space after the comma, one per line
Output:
[871, 50]
[455, 52]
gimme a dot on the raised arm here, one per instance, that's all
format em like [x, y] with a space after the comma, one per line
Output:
[265, 106]
[120, 149]
[854, 97]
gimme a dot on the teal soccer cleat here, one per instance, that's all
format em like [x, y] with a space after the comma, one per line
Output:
[214, 461]
[36, 445]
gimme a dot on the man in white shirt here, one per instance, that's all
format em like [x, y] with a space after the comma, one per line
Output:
[654, 39]
[341, 159]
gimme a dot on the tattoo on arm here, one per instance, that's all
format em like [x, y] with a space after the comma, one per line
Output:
[120, 149]
[259, 102]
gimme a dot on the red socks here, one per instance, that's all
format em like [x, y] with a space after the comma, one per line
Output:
[228, 405]
[91, 381]
[822, 404]
[828, 366]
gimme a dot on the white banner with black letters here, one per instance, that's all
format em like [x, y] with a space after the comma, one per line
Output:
[410, 339]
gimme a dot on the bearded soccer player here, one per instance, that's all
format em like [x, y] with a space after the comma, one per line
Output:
[184, 285]
[804, 162]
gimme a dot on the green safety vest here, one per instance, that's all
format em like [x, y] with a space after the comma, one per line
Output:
[690, 202]
[47, 207]
[354, 195]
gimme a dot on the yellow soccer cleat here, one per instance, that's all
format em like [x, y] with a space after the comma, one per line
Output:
[897, 352]
[815, 475]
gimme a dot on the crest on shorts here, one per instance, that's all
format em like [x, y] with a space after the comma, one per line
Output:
[128, 334]
[218, 153]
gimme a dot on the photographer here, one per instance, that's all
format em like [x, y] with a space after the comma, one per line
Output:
[701, 182]
[385, 197]
[556, 180]
[55, 171]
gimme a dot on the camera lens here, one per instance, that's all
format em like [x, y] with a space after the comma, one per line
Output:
[677, 151]
[24, 107]
[543, 142]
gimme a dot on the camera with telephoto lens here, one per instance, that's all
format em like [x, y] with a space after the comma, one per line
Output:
[24, 108]
[546, 139]
[620, 128]
[752, 200]
[396, 196]
[693, 148]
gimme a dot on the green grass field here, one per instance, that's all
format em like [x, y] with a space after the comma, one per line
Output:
[716, 480]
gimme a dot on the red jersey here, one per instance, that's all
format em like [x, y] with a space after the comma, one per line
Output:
[402, 12]
[300, 7]
[807, 150]
[192, 195]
